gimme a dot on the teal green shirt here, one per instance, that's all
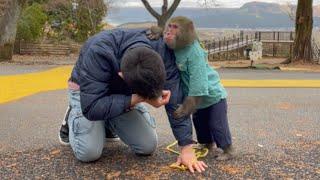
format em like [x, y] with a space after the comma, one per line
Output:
[199, 79]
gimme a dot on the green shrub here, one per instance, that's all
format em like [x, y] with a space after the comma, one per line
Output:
[76, 24]
[31, 23]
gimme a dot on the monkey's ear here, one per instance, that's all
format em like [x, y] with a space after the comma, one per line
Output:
[154, 33]
[191, 26]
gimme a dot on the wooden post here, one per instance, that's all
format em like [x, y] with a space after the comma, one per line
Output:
[247, 40]
[238, 52]
[273, 45]
[259, 36]
[227, 49]
[290, 55]
[241, 35]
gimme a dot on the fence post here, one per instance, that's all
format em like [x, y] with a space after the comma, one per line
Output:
[259, 36]
[247, 40]
[19, 46]
[227, 49]
[214, 48]
[241, 34]
[290, 55]
[238, 52]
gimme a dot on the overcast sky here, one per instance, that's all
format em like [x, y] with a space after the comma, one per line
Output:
[195, 3]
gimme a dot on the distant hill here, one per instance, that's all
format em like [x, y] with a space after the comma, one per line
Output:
[316, 11]
[250, 15]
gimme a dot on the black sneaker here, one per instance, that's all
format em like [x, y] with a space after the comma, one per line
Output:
[111, 136]
[64, 129]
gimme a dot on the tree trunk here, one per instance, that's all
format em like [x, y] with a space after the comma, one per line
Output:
[304, 23]
[9, 14]
[162, 22]
[166, 13]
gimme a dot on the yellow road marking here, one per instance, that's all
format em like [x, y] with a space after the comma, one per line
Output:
[17, 86]
[14, 87]
[271, 83]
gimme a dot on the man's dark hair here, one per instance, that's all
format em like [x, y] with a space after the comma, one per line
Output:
[143, 70]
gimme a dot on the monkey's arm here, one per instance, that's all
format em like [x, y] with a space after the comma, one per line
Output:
[198, 81]
[188, 107]
[154, 33]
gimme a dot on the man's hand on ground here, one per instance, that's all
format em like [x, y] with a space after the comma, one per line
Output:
[163, 100]
[188, 158]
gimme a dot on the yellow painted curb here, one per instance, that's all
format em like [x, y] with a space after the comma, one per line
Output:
[271, 83]
[298, 69]
[17, 86]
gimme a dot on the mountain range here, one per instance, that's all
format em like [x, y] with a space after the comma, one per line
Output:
[251, 15]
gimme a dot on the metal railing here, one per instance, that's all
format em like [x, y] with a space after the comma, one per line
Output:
[315, 51]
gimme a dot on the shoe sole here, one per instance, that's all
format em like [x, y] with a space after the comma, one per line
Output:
[62, 142]
[112, 139]
[64, 123]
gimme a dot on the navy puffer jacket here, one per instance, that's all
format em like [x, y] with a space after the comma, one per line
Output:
[104, 95]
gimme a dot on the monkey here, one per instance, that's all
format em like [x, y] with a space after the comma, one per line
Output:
[205, 95]
[179, 33]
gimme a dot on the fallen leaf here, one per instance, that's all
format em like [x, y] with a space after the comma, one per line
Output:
[12, 165]
[285, 106]
[299, 135]
[230, 169]
[113, 175]
[46, 158]
[260, 145]
[55, 152]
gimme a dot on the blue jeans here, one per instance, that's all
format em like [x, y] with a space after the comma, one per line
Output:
[136, 128]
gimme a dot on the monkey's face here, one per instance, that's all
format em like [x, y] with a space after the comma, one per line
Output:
[171, 34]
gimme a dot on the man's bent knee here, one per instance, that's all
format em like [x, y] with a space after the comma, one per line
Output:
[88, 154]
[148, 147]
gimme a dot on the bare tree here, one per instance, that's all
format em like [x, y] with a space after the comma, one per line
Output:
[165, 12]
[9, 14]
[208, 3]
[290, 10]
[304, 23]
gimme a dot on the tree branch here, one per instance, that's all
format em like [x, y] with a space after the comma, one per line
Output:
[150, 9]
[165, 6]
[172, 8]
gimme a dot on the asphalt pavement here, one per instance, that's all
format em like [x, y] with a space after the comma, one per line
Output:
[275, 132]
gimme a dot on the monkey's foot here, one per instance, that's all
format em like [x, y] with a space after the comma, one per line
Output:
[224, 157]
[213, 150]
[179, 114]
[228, 153]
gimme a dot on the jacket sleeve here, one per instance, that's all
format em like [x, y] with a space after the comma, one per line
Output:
[95, 75]
[181, 128]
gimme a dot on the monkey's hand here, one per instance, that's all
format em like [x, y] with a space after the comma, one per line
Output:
[188, 107]
[154, 33]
